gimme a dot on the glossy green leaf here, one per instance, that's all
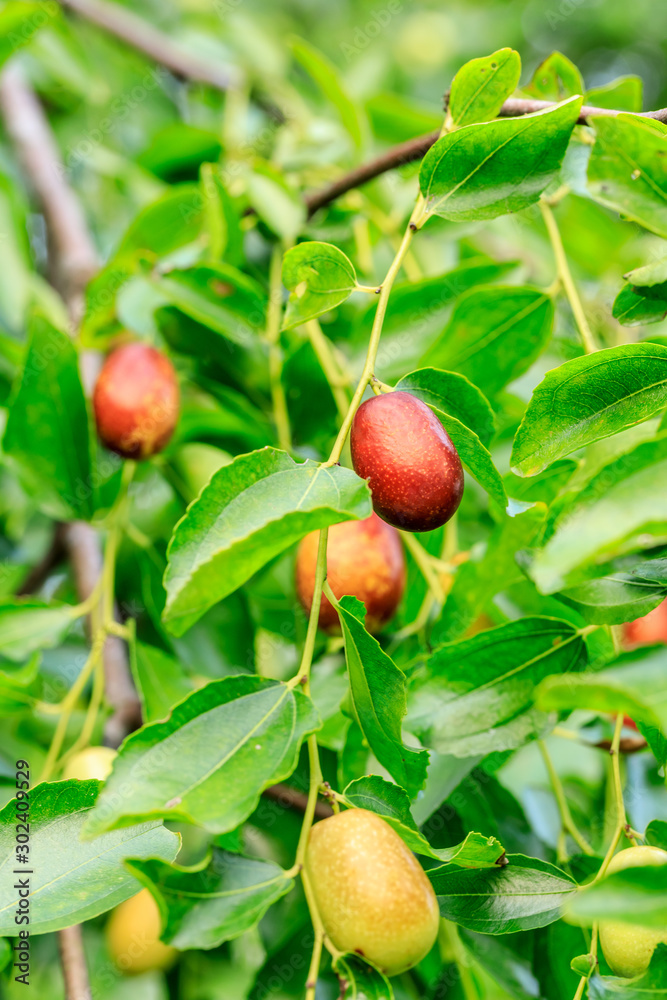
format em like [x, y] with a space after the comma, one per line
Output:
[219, 297]
[231, 530]
[464, 412]
[625, 93]
[526, 894]
[620, 596]
[377, 688]
[363, 982]
[319, 277]
[328, 80]
[29, 625]
[48, 430]
[393, 804]
[160, 680]
[494, 335]
[633, 896]
[72, 881]
[487, 170]
[555, 79]
[477, 695]
[634, 308]
[481, 86]
[624, 499]
[589, 398]
[636, 687]
[214, 901]
[210, 760]
[627, 169]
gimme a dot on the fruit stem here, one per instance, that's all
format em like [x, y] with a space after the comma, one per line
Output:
[423, 560]
[563, 270]
[329, 366]
[374, 342]
[567, 821]
[272, 335]
[621, 819]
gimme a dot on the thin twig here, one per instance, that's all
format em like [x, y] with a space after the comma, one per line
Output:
[141, 35]
[415, 149]
[291, 799]
[73, 961]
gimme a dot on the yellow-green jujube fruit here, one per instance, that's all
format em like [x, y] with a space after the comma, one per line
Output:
[370, 890]
[95, 762]
[133, 936]
[628, 947]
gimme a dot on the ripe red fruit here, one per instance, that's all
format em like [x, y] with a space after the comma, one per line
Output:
[412, 467]
[648, 630]
[364, 559]
[136, 401]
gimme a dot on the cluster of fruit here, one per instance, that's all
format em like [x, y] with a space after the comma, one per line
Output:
[372, 894]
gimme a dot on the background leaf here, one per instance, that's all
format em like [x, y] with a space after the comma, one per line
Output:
[481, 86]
[319, 277]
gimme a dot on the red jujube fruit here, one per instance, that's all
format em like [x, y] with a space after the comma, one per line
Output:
[364, 559]
[649, 629]
[136, 401]
[412, 467]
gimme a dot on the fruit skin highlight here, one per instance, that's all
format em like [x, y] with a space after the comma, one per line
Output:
[136, 401]
[94, 762]
[133, 936]
[412, 467]
[370, 890]
[648, 630]
[628, 947]
[364, 559]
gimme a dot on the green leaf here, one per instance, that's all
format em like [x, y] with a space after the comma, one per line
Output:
[480, 88]
[464, 412]
[277, 204]
[363, 981]
[637, 687]
[632, 307]
[160, 680]
[494, 335]
[623, 500]
[625, 93]
[620, 596]
[210, 760]
[48, 429]
[214, 901]
[656, 833]
[29, 625]
[477, 695]
[326, 77]
[482, 171]
[378, 697]
[219, 297]
[225, 236]
[252, 510]
[555, 79]
[393, 804]
[20, 21]
[319, 277]
[636, 896]
[652, 984]
[479, 579]
[526, 894]
[72, 881]
[627, 169]
[173, 220]
[587, 399]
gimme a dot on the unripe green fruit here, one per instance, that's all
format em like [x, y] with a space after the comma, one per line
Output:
[371, 892]
[95, 762]
[628, 947]
[133, 936]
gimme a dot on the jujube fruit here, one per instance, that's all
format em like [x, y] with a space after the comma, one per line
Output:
[649, 629]
[628, 947]
[94, 762]
[412, 467]
[133, 936]
[136, 401]
[371, 892]
[364, 559]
